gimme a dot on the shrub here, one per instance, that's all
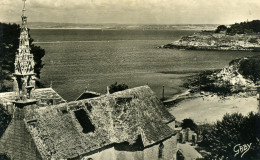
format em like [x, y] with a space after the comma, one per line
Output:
[221, 28]
[232, 130]
[189, 123]
[250, 68]
[117, 87]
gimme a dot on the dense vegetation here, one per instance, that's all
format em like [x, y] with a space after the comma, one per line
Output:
[240, 28]
[204, 82]
[9, 43]
[220, 138]
[221, 28]
[117, 87]
[189, 123]
[250, 68]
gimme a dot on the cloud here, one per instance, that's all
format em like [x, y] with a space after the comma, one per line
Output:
[134, 11]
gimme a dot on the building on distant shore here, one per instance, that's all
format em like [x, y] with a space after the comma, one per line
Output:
[130, 124]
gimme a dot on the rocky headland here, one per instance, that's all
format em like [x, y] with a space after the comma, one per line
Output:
[240, 76]
[213, 94]
[209, 40]
[244, 36]
[238, 79]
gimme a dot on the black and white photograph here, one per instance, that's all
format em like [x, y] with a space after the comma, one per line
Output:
[129, 80]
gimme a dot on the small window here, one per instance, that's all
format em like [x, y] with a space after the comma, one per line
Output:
[161, 146]
[84, 121]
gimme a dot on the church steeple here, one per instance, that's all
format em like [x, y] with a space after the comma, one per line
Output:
[24, 76]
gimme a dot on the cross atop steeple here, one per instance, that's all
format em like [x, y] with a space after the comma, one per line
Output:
[24, 18]
[24, 6]
[24, 82]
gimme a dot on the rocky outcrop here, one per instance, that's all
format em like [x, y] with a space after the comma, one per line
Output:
[217, 41]
[235, 78]
[231, 75]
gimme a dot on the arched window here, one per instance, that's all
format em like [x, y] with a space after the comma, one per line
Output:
[160, 154]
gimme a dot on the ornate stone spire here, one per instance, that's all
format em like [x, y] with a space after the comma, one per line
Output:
[24, 82]
[24, 63]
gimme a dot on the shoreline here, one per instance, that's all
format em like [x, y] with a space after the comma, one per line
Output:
[211, 41]
[211, 108]
[211, 48]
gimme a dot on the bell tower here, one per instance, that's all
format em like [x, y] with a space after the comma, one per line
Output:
[24, 76]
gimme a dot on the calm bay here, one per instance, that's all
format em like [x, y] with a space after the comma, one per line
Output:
[80, 58]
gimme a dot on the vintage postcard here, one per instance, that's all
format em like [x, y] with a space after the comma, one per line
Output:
[129, 80]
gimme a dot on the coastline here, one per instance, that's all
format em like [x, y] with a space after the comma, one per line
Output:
[209, 48]
[196, 101]
[208, 40]
[209, 109]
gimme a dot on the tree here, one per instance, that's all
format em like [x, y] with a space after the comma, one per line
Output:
[5, 119]
[9, 43]
[249, 68]
[117, 87]
[221, 28]
[232, 130]
[189, 123]
[244, 27]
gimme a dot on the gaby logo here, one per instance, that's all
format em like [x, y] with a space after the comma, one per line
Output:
[241, 149]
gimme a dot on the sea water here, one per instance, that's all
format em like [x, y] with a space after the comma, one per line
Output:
[76, 59]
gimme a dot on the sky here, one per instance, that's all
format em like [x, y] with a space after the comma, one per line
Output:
[132, 11]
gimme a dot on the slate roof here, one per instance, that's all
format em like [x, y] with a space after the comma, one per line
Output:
[118, 117]
[40, 94]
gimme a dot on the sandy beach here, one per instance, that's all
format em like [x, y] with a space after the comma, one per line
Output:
[209, 109]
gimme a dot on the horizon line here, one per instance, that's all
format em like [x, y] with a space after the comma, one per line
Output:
[115, 23]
